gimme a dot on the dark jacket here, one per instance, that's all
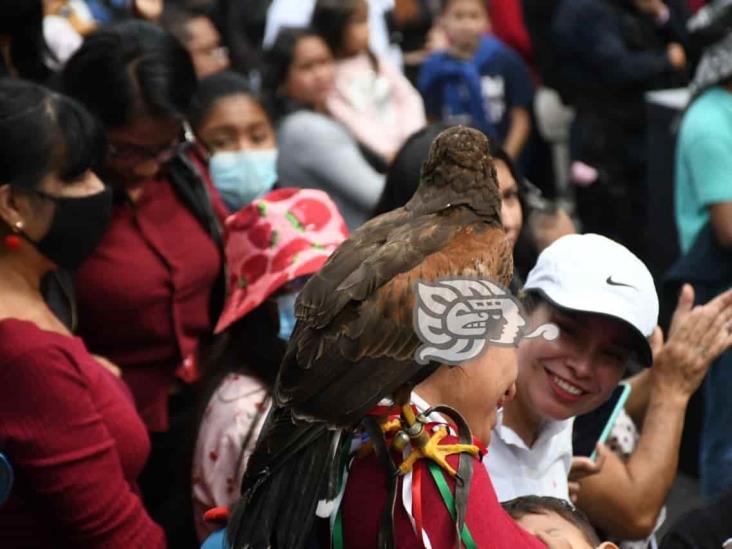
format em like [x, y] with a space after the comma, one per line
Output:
[611, 53]
[709, 526]
[707, 266]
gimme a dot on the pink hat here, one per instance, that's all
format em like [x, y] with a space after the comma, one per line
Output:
[286, 234]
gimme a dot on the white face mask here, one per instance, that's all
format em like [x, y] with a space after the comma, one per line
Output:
[242, 176]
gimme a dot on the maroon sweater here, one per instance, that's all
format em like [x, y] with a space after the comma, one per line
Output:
[366, 495]
[70, 430]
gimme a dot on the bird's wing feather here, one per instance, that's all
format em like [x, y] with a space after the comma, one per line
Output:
[317, 303]
[337, 373]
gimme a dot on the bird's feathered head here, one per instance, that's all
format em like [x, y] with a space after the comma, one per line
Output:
[458, 171]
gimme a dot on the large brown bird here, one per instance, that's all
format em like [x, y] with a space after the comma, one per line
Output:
[354, 343]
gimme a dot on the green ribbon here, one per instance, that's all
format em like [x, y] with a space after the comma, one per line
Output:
[338, 531]
[439, 478]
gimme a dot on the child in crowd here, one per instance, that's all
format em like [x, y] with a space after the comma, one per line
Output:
[315, 150]
[238, 134]
[555, 518]
[478, 80]
[272, 246]
[370, 97]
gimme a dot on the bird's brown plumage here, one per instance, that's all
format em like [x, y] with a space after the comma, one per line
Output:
[354, 342]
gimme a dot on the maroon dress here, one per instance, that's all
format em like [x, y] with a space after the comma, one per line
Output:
[76, 444]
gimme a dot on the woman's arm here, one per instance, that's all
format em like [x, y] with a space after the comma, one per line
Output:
[59, 443]
[625, 498]
[518, 131]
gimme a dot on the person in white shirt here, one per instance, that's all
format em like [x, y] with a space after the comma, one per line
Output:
[604, 302]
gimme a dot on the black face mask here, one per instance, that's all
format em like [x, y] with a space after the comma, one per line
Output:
[77, 226]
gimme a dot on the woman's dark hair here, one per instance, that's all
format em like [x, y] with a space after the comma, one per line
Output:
[129, 70]
[278, 60]
[500, 154]
[242, 29]
[44, 132]
[402, 178]
[525, 251]
[22, 21]
[214, 87]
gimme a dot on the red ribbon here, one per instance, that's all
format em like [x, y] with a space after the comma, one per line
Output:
[417, 501]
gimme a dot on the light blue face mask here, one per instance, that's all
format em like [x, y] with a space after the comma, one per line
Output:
[242, 176]
[286, 309]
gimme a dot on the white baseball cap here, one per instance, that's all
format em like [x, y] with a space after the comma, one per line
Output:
[593, 274]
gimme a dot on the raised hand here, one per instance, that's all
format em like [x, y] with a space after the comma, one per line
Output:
[698, 335]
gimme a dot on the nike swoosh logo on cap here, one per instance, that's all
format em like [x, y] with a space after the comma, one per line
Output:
[611, 282]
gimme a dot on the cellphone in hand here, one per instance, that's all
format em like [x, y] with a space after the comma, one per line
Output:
[594, 427]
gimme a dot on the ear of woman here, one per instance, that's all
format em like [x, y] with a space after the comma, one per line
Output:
[10, 214]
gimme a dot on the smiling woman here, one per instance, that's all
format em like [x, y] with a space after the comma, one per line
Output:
[602, 328]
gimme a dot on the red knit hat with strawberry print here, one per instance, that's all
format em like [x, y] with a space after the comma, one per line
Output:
[286, 234]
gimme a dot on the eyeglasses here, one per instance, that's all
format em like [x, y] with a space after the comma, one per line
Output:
[130, 152]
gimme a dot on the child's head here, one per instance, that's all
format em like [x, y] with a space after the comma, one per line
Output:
[604, 302]
[464, 22]
[227, 116]
[300, 68]
[238, 134]
[344, 25]
[554, 518]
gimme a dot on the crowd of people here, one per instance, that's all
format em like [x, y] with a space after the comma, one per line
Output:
[214, 216]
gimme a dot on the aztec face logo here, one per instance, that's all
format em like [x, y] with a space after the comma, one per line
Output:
[457, 318]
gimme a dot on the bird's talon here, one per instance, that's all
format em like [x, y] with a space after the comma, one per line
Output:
[438, 453]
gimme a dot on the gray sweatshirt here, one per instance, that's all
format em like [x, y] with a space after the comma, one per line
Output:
[317, 152]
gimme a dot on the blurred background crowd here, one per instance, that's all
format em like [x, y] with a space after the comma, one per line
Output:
[208, 155]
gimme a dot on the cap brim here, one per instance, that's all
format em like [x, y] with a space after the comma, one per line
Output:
[640, 342]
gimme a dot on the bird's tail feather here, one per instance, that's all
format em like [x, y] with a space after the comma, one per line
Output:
[291, 470]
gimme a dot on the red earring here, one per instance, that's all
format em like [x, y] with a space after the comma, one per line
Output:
[12, 241]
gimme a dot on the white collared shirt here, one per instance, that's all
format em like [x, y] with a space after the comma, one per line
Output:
[542, 470]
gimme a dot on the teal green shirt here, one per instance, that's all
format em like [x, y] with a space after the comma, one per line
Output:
[703, 162]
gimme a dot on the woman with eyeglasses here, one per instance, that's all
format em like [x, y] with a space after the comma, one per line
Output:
[155, 284]
[68, 426]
